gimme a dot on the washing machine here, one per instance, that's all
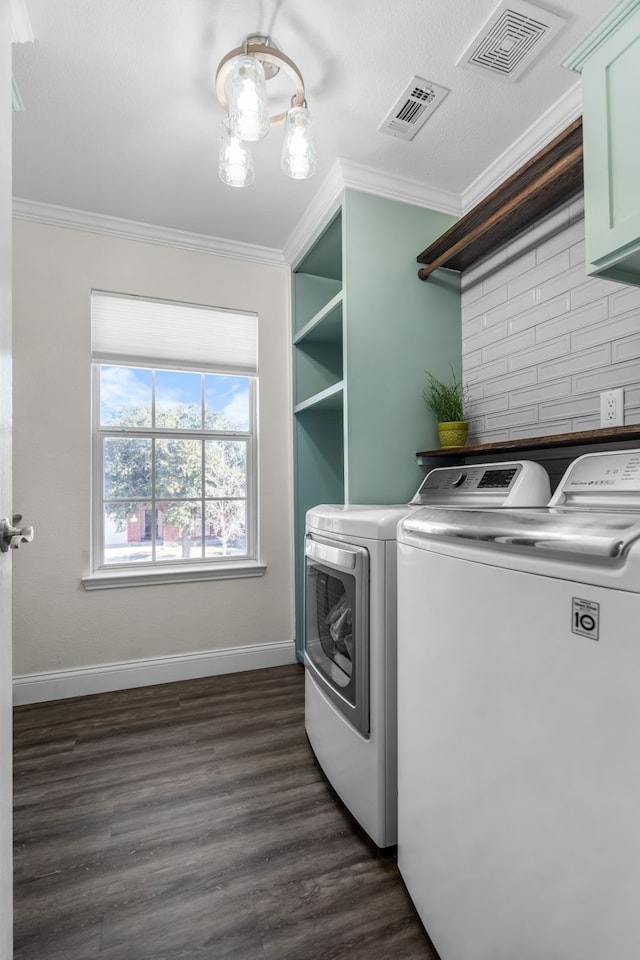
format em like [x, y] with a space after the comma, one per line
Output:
[350, 635]
[519, 721]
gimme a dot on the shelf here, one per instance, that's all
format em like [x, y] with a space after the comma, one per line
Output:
[329, 399]
[324, 259]
[548, 179]
[325, 326]
[610, 437]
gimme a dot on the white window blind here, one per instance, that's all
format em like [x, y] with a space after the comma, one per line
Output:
[186, 336]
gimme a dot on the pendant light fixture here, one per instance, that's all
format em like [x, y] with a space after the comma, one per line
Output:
[241, 81]
[236, 164]
[298, 153]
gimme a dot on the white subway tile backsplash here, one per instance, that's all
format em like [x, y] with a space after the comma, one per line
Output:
[538, 354]
[512, 306]
[538, 232]
[535, 430]
[577, 252]
[513, 381]
[474, 391]
[540, 313]
[470, 289]
[632, 396]
[587, 423]
[472, 360]
[484, 268]
[545, 391]
[575, 407]
[503, 273]
[627, 349]
[593, 289]
[481, 407]
[509, 345]
[617, 375]
[576, 363]
[541, 339]
[622, 299]
[484, 338]
[560, 242]
[606, 332]
[492, 436]
[484, 303]
[540, 273]
[471, 327]
[575, 320]
[562, 283]
[496, 277]
[512, 418]
[489, 371]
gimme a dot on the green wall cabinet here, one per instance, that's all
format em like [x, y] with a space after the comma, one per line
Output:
[365, 329]
[609, 61]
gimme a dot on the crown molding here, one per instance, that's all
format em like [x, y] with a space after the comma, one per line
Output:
[149, 233]
[588, 46]
[367, 180]
[563, 112]
[327, 199]
[344, 175]
[21, 30]
[319, 212]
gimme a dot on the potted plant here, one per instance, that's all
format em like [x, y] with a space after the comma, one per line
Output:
[447, 401]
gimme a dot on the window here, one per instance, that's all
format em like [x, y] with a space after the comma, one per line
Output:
[174, 388]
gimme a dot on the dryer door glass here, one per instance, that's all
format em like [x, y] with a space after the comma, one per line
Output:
[332, 625]
[336, 638]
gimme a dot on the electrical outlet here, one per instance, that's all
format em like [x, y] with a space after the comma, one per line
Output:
[612, 408]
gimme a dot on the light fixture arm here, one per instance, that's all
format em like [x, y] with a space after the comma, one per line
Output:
[266, 54]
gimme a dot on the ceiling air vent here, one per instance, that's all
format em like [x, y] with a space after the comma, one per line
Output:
[413, 109]
[513, 36]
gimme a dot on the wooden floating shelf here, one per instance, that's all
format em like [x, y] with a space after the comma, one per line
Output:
[553, 176]
[610, 436]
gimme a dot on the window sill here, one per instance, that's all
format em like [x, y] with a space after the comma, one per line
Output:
[108, 579]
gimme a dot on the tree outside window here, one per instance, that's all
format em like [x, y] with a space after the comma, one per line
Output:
[175, 451]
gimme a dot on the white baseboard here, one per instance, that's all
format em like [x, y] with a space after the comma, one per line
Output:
[57, 685]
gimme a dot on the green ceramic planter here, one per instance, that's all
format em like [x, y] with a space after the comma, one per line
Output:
[453, 434]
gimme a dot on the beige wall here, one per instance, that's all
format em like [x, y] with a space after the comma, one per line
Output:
[59, 625]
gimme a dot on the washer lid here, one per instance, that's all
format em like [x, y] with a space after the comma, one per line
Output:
[585, 535]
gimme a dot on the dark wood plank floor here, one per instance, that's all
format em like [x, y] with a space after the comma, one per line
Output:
[189, 820]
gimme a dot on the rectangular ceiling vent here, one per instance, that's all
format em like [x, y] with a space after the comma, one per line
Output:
[508, 43]
[413, 108]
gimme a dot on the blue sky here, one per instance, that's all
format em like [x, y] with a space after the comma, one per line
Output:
[123, 387]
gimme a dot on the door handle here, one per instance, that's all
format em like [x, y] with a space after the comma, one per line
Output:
[12, 536]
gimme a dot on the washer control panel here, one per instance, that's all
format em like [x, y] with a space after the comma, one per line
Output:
[489, 483]
[600, 478]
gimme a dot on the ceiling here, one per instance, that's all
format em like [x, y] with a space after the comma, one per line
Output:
[121, 117]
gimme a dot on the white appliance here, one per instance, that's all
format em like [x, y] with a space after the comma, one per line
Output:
[519, 721]
[350, 637]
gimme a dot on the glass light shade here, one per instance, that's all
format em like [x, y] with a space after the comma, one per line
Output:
[298, 150]
[248, 110]
[236, 165]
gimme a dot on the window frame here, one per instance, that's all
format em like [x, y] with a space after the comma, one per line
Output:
[137, 573]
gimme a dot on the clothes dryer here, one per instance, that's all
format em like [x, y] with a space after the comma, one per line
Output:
[519, 714]
[350, 639]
